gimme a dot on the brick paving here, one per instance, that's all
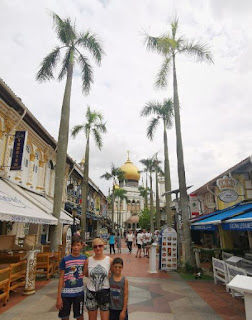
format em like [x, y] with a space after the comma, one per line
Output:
[160, 296]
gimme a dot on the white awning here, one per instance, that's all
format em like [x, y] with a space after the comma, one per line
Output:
[44, 203]
[16, 207]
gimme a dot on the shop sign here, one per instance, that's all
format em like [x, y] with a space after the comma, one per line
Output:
[204, 227]
[242, 226]
[228, 196]
[18, 150]
[211, 205]
[226, 183]
[168, 250]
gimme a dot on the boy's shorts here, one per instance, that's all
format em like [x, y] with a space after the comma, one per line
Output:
[92, 304]
[115, 314]
[78, 304]
[139, 246]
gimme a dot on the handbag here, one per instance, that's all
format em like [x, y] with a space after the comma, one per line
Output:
[102, 296]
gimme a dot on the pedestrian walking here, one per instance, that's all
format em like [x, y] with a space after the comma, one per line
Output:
[112, 243]
[139, 241]
[130, 238]
[118, 292]
[119, 243]
[70, 287]
[97, 268]
[144, 242]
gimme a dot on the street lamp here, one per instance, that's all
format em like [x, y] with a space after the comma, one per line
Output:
[74, 215]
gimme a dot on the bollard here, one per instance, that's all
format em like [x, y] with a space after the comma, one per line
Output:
[30, 276]
[153, 260]
[197, 257]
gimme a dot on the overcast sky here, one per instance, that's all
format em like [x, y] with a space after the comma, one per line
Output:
[215, 99]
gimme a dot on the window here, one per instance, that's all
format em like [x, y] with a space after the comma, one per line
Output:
[36, 156]
[28, 149]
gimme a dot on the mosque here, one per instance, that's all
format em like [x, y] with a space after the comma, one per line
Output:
[130, 209]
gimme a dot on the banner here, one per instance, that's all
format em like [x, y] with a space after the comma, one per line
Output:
[18, 150]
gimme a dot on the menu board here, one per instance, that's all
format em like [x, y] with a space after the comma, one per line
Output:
[168, 249]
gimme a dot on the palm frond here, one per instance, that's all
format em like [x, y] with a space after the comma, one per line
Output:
[197, 50]
[174, 27]
[48, 64]
[152, 43]
[98, 138]
[152, 127]
[101, 127]
[168, 110]
[65, 64]
[162, 77]
[87, 73]
[106, 176]
[65, 29]
[151, 107]
[76, 129]
[91, 42]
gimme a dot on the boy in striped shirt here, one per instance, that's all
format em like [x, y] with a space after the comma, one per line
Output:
[70, 288]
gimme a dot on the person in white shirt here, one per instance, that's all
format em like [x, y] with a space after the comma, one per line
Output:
[144, 242]
[139, 244]
[129, 238]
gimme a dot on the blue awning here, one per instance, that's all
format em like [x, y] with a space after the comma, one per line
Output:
[221, 215]
[242, 222]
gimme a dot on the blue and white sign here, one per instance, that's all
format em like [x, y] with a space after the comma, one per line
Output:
[241, 226]
[204, 227]
[18, 150]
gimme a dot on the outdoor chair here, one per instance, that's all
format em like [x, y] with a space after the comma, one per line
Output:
[17, 275]
[220, 271]
[4, 284]
[44, 265]
[226, 255]
[232, 272]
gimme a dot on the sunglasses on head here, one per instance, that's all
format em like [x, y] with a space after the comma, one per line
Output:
[98, 246]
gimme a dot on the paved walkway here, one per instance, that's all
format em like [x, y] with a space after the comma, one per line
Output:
[162, 296]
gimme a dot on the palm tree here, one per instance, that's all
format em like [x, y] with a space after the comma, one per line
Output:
[120, 195]
[158, 171]
[163, 112]
[114, 175]
[149, 167]
[94, 124]
[144, 192]
[70, 41]
[169, 46]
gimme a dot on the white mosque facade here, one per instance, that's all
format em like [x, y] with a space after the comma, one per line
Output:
[131, 208]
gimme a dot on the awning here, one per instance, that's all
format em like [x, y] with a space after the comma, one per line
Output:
[14, 206]
[43, 203]
[222, 215]
[242, 222]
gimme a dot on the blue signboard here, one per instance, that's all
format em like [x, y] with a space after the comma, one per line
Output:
[242, 226]
[18, 149]
[204, 227]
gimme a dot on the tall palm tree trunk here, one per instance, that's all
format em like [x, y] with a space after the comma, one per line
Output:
[157, 203]
[85, 190]
[151, 206]
[186, 234]
[61, 159]
[146, 183]
[113, 208]
[167, 180]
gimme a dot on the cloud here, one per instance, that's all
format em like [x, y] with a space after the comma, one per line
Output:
[215, 99]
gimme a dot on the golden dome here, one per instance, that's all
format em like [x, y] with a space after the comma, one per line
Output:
[130, 170]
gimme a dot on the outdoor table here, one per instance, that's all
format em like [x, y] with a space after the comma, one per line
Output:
[243, 284]
[234, 260]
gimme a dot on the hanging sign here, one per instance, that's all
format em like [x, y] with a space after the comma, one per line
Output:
[226, 183]
[18, 150]
[228, 196]
[168, 252]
